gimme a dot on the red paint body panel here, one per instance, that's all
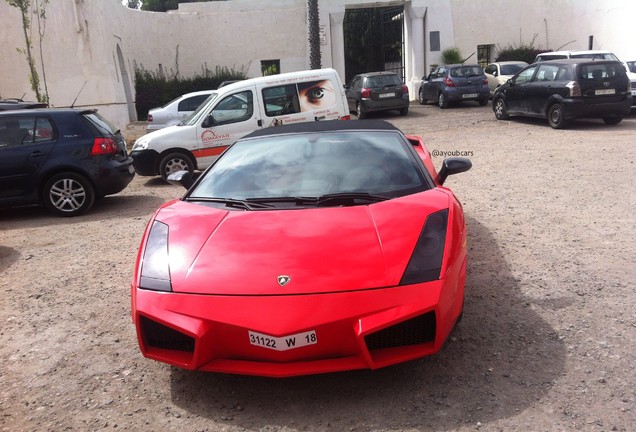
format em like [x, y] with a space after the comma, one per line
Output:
[345, 264]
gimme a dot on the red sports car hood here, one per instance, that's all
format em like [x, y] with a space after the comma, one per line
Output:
[214, 251]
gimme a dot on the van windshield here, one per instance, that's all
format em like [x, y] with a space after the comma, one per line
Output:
[193, 118]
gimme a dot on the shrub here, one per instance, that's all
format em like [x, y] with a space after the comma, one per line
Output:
[155, 89]
[451, 55]
[525, 53]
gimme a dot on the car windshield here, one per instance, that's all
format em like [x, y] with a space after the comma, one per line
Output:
[302, 169]
[511, 69]
[466, 71]
[193, 118]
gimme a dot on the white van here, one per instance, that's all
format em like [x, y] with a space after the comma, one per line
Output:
[236, 110]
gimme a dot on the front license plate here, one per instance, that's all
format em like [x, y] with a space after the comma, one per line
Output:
[469, 95]
[283, 343]
[605, 92]
[386, 95]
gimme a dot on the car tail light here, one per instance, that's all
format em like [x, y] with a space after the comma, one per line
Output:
[366, 92]
[405, 89]
[150, 117]
[574, 87]
[104, 146]
[485, 81]
[449, 82]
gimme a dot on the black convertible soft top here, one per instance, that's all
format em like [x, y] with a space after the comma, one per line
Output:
[323, 126]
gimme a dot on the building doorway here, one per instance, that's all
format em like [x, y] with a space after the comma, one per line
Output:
[374, 40]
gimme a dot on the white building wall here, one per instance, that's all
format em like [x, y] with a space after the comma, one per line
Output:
[82, 36]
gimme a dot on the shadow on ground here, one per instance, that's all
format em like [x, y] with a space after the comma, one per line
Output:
[500, 360]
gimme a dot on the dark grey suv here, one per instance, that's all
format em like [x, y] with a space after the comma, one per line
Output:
[61, 158]
[455, 83]
[561, 90]
[377, 91]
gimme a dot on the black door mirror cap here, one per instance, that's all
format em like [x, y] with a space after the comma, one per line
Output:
[453, 165]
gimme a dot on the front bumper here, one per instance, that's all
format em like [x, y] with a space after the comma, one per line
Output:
[354, 330]
[145, 162]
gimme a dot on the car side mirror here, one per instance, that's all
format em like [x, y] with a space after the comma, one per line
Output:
[181, 178]
[453, 165]
[495, 73]
[510, 81]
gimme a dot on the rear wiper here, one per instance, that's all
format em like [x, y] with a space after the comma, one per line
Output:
[231, 202]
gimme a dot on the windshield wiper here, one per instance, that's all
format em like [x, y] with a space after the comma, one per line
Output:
[231, 202]
[337, 199]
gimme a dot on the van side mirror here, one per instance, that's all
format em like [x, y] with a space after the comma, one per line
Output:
[453, 165]
[208, 121]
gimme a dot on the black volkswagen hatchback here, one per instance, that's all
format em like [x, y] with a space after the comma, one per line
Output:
[60, 158]
[561, 90]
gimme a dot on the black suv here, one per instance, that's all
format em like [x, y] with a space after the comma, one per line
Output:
[61, 158]
[377, 91]
[560, 90]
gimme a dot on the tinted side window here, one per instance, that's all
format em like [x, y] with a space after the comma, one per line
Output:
[547, 73]
[191, 103]
[15, 132]
[491, 69]
[525, 76]
[234, 108]
[281, 100]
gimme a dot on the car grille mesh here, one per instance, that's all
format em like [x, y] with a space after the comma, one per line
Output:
[418, 330]
[159, 336]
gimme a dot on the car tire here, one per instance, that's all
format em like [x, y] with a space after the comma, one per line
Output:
[174, 162]
[442, 102]
[483, 101]
[556, 117]
[404, 111]
[613, 120]
[421, 99]
[68, 194]
[361, 114]
[501, 109]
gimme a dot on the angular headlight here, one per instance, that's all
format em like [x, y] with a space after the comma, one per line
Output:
[426, 262]
[155, 267]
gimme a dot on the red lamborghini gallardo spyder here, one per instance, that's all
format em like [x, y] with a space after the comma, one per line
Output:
[308, 248]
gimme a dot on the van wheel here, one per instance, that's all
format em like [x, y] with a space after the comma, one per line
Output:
[174, 162]
[556, 117]
[359, 111]
[612, 120]
[421, 99]
[501, 109]
[68, 194]
[441, 101]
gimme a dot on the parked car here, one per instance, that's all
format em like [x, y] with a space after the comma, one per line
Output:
[560, 90]
[235, 110]
[455, 83]
[175, 111]
[13, 104]
[309, 248]
[61, 158]
[377, 91]
[587, 54]
[500, 72]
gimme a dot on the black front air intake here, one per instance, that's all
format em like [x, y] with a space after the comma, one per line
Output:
[417, 330]
[159, 336]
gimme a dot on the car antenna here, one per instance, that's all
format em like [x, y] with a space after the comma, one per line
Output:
[78, 93]
[468, 57]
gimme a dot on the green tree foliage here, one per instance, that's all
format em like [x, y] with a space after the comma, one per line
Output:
[24, 6]
[313, 22]
[525, 53]
[155, 89]
[165, 5]
[451, 56]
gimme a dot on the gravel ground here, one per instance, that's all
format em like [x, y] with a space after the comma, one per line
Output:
[546, 343]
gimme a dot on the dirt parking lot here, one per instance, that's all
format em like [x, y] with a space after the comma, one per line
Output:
[547, 342]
